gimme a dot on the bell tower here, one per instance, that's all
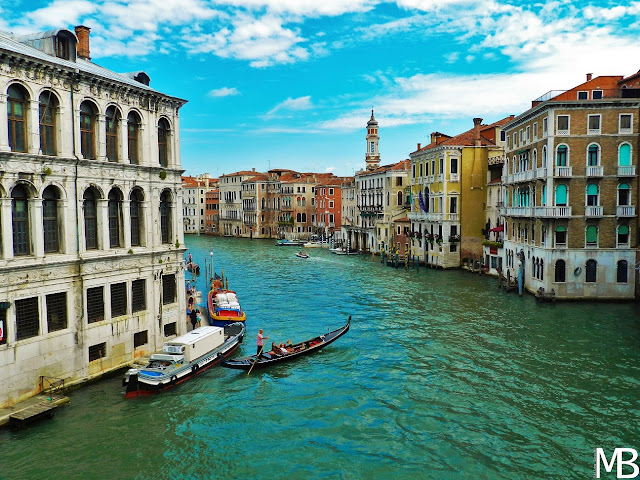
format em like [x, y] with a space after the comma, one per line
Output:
[372, 156]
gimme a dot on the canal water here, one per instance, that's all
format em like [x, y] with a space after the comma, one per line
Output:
[442, 376]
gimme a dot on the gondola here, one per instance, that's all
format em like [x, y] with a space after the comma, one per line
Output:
[296, 350]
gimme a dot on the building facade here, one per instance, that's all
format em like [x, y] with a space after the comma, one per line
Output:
[571, 194]
[92, 245]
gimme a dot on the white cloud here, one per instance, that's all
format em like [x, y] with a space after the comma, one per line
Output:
[304, 7]
[60, 12]
[224, 92]
[300, 103]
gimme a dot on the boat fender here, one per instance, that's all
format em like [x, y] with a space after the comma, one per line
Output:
[173, 380]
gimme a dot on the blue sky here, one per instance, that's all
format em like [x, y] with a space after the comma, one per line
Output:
[291, 83]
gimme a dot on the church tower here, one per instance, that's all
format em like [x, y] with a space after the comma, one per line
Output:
[373, 155]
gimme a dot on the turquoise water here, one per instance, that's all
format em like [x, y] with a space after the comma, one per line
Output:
[442, 376]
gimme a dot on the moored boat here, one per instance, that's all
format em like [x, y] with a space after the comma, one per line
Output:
[182, 358]
[223, 305]
[193, 268]
[294, 351]
[289, 243]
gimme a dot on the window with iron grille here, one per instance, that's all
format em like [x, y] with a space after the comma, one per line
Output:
[3, 326]
[27, 318]
[57, 311]
[138, 295]
[140, 339]
[95, 304]
[168, 289]
[118, 299]
[170, 329]
[97, 351]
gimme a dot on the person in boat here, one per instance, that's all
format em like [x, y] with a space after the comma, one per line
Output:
[275, 350]
[282, 349]
[260, 342]
[289, 346]
[190, 258]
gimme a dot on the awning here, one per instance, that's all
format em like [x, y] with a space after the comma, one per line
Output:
[499, 228]
[522, 151]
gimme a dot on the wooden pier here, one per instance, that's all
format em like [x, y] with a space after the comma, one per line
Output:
[33, 413]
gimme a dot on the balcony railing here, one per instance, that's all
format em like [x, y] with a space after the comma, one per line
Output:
[454, 177]
[541, 172]
[595, 171]
[519, 211]
[593, 211]
[552, 212]
[563, 171]
[626, 211]
[626, 171]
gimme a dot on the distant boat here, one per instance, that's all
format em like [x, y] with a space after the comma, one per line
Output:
[294, 351]
[223, 305]
[289, 243]
[182, 358]
[193, 268]
[344, 251]
[302, 255]
[314, 244]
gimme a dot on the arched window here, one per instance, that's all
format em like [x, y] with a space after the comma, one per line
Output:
[622, 271]
[115, 217]
[534, 270]
[623, 235]
[591, 236]
[561, 195]
[17, 101]
[135, 214]
[20, 221]
[133, 132]
[624, 155]
[264, 203]
[591, 271]
[544, 156]
[47, 118]
[399, 199]
[299, 217]
[426, 199]
[535, 159]
[163, 142]
[541, 269]
[561, 156]
[87, 130]
[90, 206]
[561, 271]
[304, 218]
[592, 195]
[165, 217]
[593, 155]
[561, 235]
[111, 123]
[623, 194]
[543, 200]
[50, 222]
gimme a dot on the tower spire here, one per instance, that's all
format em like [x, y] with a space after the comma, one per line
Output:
[372, 157]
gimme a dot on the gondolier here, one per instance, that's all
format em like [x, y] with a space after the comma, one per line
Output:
[260, 342]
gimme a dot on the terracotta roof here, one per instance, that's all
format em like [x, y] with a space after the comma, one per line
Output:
[259, 177]
[403, 219]
[402, 165]
[242, 172]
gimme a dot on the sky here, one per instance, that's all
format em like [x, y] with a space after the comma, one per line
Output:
[291, 83]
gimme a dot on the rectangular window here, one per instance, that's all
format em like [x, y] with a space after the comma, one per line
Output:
[562, 127]
[3, 326]
[515, 139]
[140, 338]
[503, 136]
[453, 208]
[118, 299]
[454, 165]
[95, 304]
[528, 134]
[170, 329]
[27, 318]
[56, 311]
[535, 131]
[97, 351]
[596, 94]
[545, 124]
[168, 289]
[625, 125]
[583, 95]
[593, 124]
[138, 295]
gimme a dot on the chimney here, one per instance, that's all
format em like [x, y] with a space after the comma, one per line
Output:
[433, 137]
[253, 169]
[476, 131]
[82, 33]
[418, 147]
[589, 76]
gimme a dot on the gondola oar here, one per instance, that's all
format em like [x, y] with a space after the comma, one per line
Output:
[256, 360]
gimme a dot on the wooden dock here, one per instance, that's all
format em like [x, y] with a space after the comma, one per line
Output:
[33, 413]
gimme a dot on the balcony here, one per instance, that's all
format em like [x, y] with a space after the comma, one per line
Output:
[562, 171]
[454, 177]
[593, 211]
[519, 211]
[524, 176]
[595, 171]
[541, 172]
[453, 217]
[552, 212]
[626, 211]
[627, 171]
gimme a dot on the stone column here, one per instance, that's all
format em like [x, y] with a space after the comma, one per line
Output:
[103, 224]
[101, 138]
[7, 229]
[33, 127]
[4, 126]
[36, 230]
[124, 140]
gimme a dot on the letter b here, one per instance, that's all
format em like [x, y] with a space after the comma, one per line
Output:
[630, 462]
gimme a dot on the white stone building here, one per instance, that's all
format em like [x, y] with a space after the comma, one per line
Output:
[91, 270]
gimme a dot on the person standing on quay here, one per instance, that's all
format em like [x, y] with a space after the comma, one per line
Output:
[260, 342]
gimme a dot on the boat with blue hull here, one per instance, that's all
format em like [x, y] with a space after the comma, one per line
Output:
[182, 358]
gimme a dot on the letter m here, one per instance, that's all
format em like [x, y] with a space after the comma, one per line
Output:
[617, 458]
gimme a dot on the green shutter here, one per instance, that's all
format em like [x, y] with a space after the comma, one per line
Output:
[561, 195]
[623, 230]
[592, 234]
[624, 155]
[592, 189]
